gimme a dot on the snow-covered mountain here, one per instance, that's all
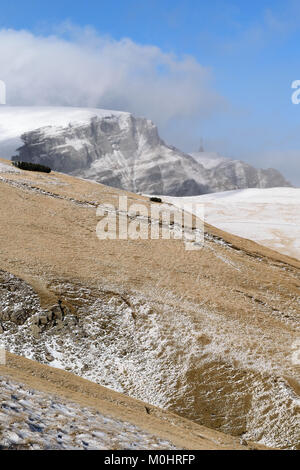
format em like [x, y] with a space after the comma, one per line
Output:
[270, 217]
[120, 150]
[209, 159]
[227, 174]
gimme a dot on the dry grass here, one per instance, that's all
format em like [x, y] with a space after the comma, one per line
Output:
[250, 293]
[184, 434]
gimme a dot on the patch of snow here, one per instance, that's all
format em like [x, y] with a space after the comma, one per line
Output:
[30, 419]
[270, 217]
[4, 168]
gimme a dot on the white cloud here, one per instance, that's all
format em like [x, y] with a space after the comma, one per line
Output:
[86, 69]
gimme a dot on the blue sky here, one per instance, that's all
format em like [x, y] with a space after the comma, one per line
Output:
[249, 52]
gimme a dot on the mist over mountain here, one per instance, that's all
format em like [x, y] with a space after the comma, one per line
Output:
[121, 150]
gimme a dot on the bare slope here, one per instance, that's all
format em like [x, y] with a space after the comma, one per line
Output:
[210, 334]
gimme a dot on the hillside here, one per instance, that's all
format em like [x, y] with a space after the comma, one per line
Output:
[120, 150]
[73, 413]
[211, 334]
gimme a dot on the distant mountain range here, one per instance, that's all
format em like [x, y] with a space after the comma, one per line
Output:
[120, 150]
[270, 217]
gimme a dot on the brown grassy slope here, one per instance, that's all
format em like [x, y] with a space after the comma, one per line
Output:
[184, 434]
[250, 293]
[44, 236]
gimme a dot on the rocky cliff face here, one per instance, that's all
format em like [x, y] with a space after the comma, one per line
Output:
[235, 174]
[120, 150]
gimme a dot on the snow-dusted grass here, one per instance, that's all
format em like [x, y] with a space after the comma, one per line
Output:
[156, 357]
[209, 336]
[267, 216]
[8, 168]
[30, 419]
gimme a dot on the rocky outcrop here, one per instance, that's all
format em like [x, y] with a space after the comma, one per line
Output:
[125, 152]
[20, 306]
[18, 301]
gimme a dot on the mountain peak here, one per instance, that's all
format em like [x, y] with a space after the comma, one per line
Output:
[120, 150]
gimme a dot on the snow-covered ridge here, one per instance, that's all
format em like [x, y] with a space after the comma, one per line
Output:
[270, 217]
[209, 159]
[15, 120]
[120, 150]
